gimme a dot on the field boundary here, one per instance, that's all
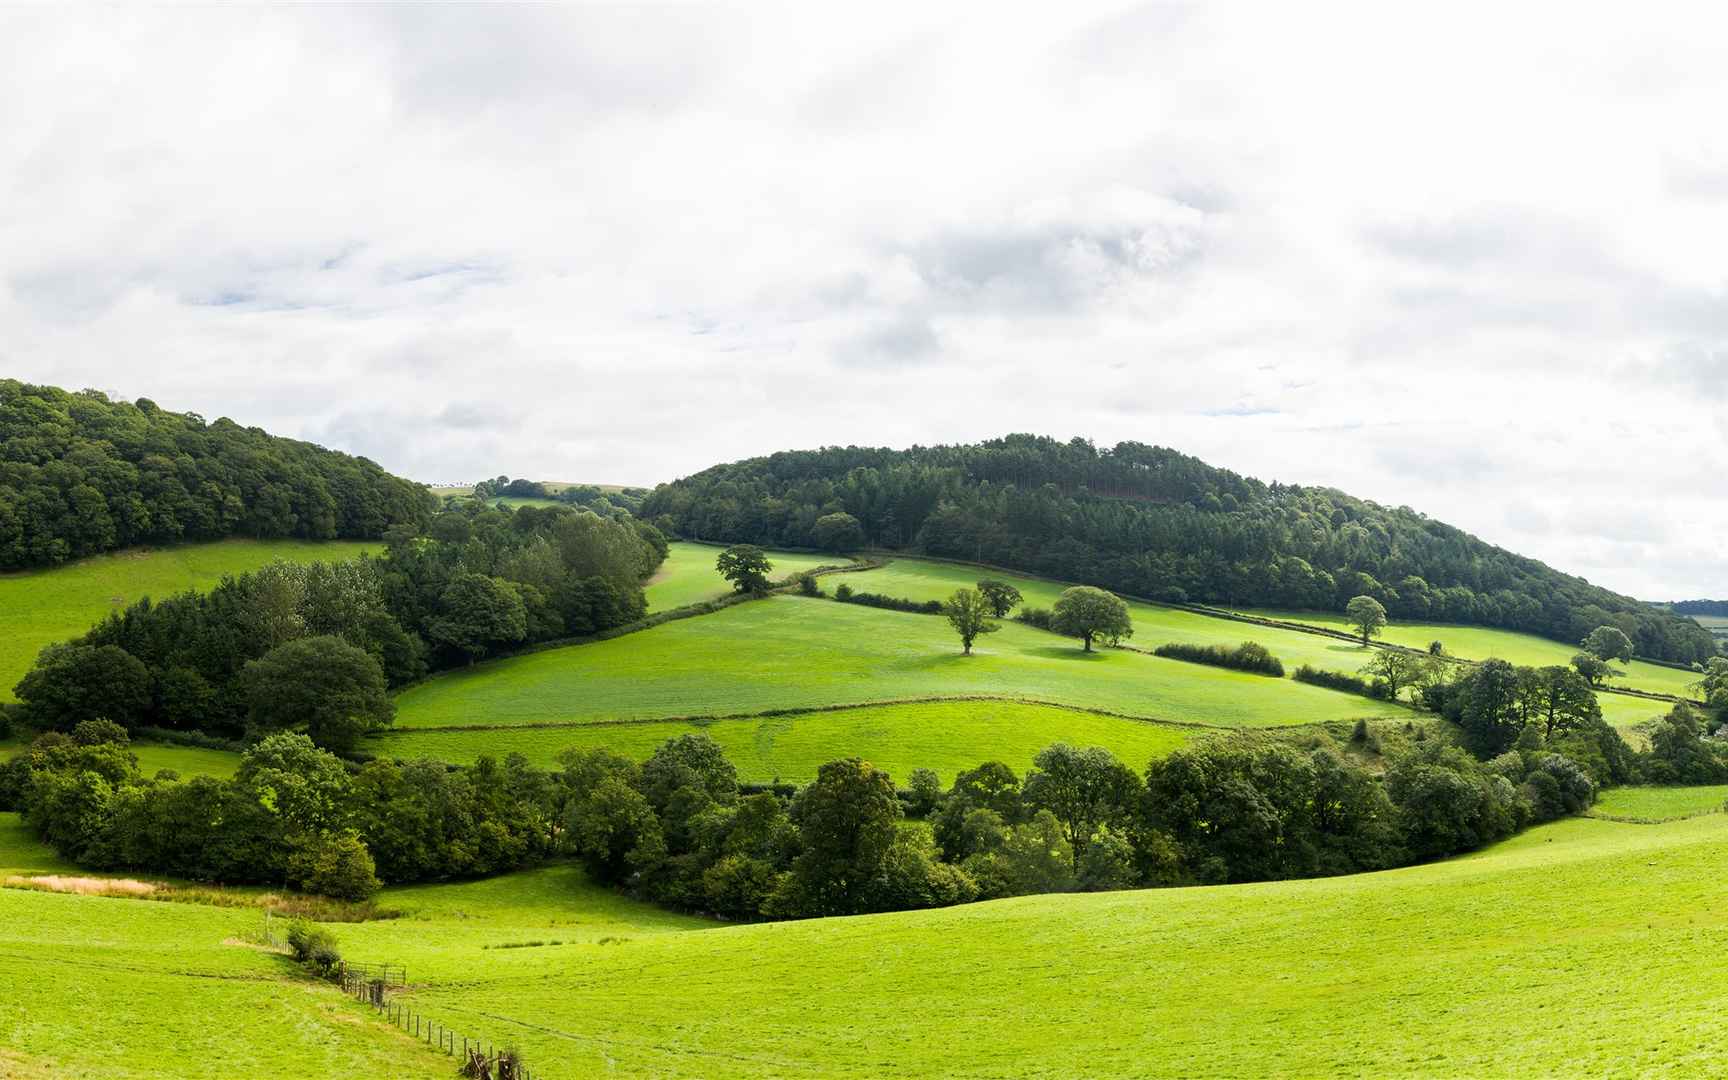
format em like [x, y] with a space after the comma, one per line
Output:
[369, 984]
[1629, 819]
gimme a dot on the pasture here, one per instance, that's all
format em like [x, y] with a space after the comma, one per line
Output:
[947, 736]
[688, 575]
[1661, 803]
[40, 607]
[1482, 643]
[188, 761]
[918, 579]
[1564, 941]
[791, 653]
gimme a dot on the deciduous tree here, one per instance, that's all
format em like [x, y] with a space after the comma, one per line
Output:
[746, 567]
[1086, 613]
[968, 612]
[1367, 615]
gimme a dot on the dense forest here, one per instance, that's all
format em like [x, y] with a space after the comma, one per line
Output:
[80, 475]
[317, 647]
[1700, 607]
[1151, 522]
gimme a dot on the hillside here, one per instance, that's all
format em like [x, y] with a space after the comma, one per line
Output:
[1152, 522]
[59, 603]
[81, 475]
[1591, 928]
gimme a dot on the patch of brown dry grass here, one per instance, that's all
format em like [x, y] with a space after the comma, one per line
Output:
[82, 886]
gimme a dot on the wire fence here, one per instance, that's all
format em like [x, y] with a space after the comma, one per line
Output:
[480, 1060]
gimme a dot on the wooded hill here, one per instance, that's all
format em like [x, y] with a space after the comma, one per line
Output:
[80, 475]
[1152, 522]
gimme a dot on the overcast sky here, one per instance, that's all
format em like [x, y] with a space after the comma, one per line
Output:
[1471, 260]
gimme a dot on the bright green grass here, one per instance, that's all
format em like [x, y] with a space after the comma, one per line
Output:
[526, 500]
[946, 736]
[1660, 803]
[22, 853]
[1481, 643]
[188, 761]
[1626, 711]
[39, 607]
[918, 579]
[688, 575]
[1581, 948]
[790, 652]
[116, 988]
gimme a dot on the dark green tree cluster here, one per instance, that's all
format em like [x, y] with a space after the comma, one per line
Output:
[677, 828]
[1147, 521]
[80, 474]
[316, 647]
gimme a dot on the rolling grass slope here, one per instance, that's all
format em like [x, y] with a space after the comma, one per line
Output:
[1480, 643]
[39, 607]
[790, 652]
[947, 736]
[1661, 803]
[918, 579]
[1563, 943]
[688, 575]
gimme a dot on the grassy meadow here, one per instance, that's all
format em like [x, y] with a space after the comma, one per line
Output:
[688, 575]
[918, 579]
[1661, 803]
[947, 736]
[188, 761]
[792, 652]
[1564, 942]
[40, 607]
[1481, 643]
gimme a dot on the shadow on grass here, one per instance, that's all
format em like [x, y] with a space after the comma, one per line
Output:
[1059, 652]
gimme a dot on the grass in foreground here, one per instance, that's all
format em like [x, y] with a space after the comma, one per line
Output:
[1661, 803]
[688, 575]
[1563, 943]
[947, 736]
[40, 607]
[790, 652]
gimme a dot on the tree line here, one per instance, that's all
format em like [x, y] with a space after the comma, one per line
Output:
[80, 475]
[1151, 522]
[318, 647]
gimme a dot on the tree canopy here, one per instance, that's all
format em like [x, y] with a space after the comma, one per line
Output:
[1148, 521]
[1088, 613]
[80, 475]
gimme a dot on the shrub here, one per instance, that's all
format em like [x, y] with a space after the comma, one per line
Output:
[843, 593]
[1042, 618]
[99, 733]
[1338, 680]
[1250, 656]
[315, 948]
[891, 603]
[337, 866]
[807, 585]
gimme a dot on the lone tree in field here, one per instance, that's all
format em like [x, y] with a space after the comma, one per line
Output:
[1000, 595]
[1086, 613]
[838, 532]
[1594, 669]
[746, 567]
[1367, 615]
[969, 613]
[1608, 643]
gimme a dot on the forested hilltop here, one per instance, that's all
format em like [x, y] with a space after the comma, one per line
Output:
[80, 475]
[1151, 522]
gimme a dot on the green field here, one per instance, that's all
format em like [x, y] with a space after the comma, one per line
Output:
[1481, 643]
[39, 607]
[1587, 948]
[188, 761]
[1661, 803]
[688, 575]
[947, 736]
[918, 579]
[791, 652]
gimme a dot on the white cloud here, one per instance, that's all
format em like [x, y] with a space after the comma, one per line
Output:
[1465, 259]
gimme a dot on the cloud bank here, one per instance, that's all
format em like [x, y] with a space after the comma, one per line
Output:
[1467, 260]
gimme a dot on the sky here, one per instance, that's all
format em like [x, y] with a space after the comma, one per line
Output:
[1467, 258]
